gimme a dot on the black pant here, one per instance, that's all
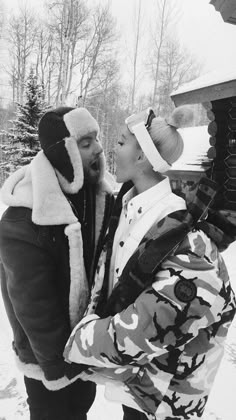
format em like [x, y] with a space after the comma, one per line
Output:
[70, 403]
[132, 414]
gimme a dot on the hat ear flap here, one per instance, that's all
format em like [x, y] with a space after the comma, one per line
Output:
[71, 179]
[58, 154]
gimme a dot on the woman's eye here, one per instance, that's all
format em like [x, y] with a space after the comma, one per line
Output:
[120, 143]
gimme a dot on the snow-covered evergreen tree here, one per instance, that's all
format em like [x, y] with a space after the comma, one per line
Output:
[21, 142]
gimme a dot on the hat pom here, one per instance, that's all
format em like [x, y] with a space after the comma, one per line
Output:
[180, 117]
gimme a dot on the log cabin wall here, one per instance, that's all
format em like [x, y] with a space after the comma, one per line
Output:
[222, 131]
[219, 99]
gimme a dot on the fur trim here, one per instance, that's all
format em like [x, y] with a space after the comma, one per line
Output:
[31, 370]
[59, 383]
[34, 371]
[16, 190]
[35, 186]
[80, 122]
[76, 161]
[50, 205]
[79, 290]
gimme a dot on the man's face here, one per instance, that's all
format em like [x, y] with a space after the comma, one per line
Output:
[90, 149]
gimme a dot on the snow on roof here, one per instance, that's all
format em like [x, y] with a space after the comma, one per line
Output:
[196, 145]
[209, 79]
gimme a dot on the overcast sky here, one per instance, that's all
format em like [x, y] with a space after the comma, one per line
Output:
[200, 28]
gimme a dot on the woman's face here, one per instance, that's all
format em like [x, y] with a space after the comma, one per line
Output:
[127, 154]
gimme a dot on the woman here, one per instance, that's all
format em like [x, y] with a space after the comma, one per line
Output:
[165, 303]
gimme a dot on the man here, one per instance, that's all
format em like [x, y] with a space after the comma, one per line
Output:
[50, 239]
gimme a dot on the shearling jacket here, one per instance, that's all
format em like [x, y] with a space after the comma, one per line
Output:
[158, 346]
[43, 280]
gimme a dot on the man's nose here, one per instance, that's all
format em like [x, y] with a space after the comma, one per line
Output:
[98, 148]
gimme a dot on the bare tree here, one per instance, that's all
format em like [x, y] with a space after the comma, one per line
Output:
[110, 109]
[21, 38]
[1, 17]
[71, 49]
[98, 51]
[171, 64]
[178, 66]
[135, 56]
[13, 76]
[165, 13]
[69, 25]
[45, 60]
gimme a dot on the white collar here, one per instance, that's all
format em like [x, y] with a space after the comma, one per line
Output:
[146, 199]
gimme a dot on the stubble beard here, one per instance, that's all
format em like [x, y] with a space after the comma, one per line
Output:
[91, 177]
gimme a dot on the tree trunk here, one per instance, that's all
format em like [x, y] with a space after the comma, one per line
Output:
[159, 50]
[135, 58]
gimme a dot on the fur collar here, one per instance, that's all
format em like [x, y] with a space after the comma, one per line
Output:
[36, 186]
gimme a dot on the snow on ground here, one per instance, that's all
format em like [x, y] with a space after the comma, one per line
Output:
[221, 404]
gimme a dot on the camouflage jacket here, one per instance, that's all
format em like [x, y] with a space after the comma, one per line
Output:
[161, 351]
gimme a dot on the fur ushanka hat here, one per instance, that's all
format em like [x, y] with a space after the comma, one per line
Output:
[59, 131]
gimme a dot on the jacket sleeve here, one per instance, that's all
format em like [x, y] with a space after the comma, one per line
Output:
[32, 290]
[184, 298]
